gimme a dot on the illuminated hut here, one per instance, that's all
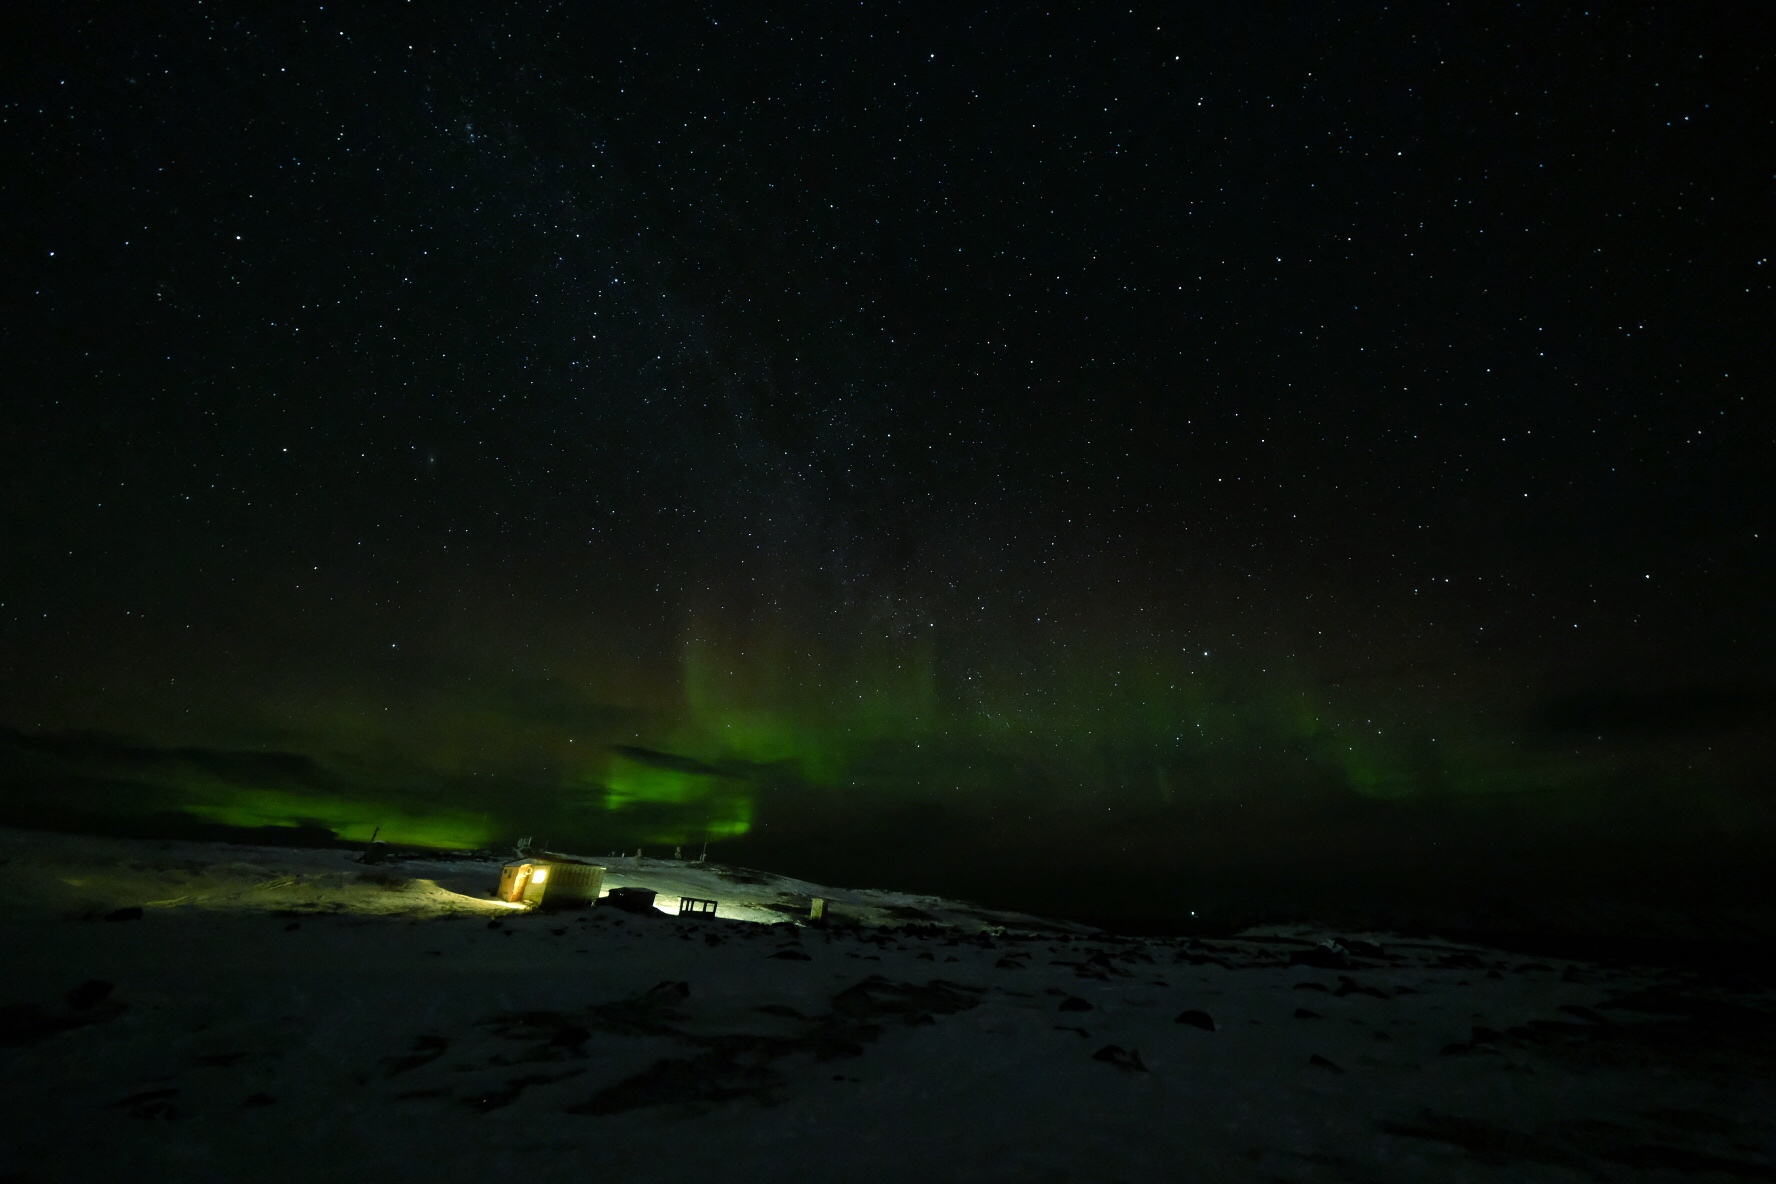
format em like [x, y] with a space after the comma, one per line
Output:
[551, 883]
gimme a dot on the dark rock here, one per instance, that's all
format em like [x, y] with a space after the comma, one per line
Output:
[1075, 1003]
[1485, 1040]
[1350, 986]
[426, 1049]
[1302, 1013]
[27, 1023]
[221, 1060]
[1099, 966]
[715, 1077]
[1128, 1060]
[877, 998]
[1489, 1144]
[1584, 1144]
[151, 1104]
[495, 1099]
[839, 1041]
[259, 1099]
[653, 1012]
[1196, 1019]
[1310, 986]
[737, 1065]
[1320, 958]
[792, 956]
[1696, 1121]
[1321, 1062]
[129, 913]
[89, 994]
[153, 1095]
[23, 1024]
[571, 1036]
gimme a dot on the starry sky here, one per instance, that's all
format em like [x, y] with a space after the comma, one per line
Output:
[1108, 459]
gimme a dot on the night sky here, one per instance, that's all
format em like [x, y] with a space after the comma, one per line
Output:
[1260, 458]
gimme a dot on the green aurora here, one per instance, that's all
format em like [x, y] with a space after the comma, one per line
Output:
[750, 720]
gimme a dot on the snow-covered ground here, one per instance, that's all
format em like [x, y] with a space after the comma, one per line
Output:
[280, 1015]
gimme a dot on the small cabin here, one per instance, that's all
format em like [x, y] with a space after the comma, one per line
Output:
[551, 883]
[632, 898]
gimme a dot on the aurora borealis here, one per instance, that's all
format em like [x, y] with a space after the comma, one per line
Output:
[1200, 457]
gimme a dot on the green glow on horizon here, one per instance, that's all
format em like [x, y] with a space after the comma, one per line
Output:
[355, 820]
[900, 713]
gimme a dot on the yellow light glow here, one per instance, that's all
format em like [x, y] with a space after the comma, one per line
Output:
[538, 876]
